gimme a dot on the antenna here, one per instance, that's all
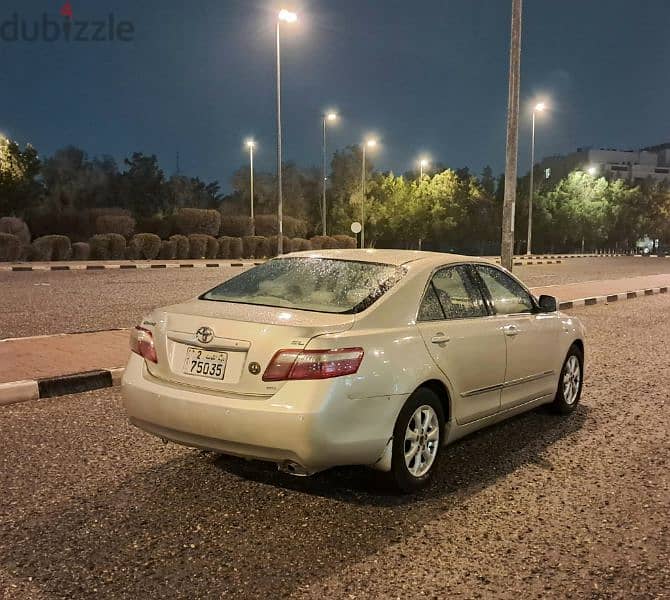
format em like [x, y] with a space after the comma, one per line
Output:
[177, 164]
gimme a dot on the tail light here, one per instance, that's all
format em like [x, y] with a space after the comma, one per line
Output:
[313, 364]
[142, 343]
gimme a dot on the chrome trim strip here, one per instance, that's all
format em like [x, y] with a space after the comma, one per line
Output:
[216, 344]
[528, 379]
[483, 390]
[507, 384]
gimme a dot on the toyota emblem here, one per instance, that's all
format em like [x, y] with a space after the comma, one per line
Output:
[204, 335]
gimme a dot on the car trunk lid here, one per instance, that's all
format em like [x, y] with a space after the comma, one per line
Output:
[241, 337]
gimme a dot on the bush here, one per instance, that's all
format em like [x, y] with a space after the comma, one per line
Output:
[144, 246]
[202, 246]
[272, 245]
[267, 225]
[345, 241]
[299, 244]
[254, 246]
[236, 247]
[168, 250]
[78, 225]
[17, 227]
[161, 226]
[81, 251]
[224, 246]
[182, 246]
[10, 247]
[323, 242]
[52, 247]
[198, 221]
[235, 226]
[121, 224]
[108, 246]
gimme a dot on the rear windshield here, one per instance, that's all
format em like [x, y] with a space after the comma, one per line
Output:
[317, 284]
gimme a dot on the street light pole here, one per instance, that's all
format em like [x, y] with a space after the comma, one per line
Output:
[370, 143]
[289, 17]
[538, 107]
[507, 245]
[331, 116]
[250, 144]
[363, 199]
[280, 208]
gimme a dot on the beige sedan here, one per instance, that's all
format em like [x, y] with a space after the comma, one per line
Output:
[341, 357]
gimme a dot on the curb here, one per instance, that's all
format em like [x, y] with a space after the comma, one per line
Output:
[612, 298]
[101, 267]
[49, 387]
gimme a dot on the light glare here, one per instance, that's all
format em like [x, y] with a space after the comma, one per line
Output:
[287, 16]
[250, 143]
[540, 106]
[331, 116]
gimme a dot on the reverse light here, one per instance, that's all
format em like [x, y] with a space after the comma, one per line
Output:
[142, 343]
[313, 364]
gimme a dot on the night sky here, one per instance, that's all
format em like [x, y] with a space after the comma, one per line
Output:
[425, 76]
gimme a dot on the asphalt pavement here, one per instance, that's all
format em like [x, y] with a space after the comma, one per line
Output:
[540, 506]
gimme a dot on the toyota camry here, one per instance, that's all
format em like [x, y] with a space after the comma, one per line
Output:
[343, 357]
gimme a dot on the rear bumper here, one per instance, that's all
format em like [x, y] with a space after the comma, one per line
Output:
[316, 424]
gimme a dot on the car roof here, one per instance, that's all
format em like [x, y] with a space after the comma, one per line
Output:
[388, 256]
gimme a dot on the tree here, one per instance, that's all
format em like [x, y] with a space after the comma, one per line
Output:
[19, 169]
[142, 185]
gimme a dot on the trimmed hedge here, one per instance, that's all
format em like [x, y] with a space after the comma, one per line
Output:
[182, 246]
[345, 241]
[144, 246]
[236, 247]
[108, 246]
[190, 221]
[10, 247]
[235, 226]
[272, 245]
[121, 224]
[52, 247]
[161, 226]
[17, 227]
[81, 251]
[323, 242]
[299, 244]
[267, 225]
[254, 246]
[224, 246]
[78, 225]
[202, 246]
[168, 250]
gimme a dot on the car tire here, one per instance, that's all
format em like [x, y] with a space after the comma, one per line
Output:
[570, 382]
[422, 413]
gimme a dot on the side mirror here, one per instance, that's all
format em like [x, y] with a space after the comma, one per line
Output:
[548, 303]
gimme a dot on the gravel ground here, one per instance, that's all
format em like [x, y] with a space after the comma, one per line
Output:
[65, 302]
[540, 506]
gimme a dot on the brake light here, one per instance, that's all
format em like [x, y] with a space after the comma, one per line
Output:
[313, 364]
[142, 343]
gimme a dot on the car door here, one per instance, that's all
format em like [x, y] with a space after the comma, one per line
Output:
[531, 338]
[465, 342]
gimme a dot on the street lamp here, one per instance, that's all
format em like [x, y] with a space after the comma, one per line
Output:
[328, 117]
[592, 170]
[423, 163]
[369, 143]
[251, 144]
[539, 107]
[287, 17]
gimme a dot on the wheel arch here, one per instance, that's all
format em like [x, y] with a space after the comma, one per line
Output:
[440, 390]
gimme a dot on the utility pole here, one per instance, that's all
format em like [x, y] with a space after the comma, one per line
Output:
[507, 246]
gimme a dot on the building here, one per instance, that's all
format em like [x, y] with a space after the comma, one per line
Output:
[633, 166]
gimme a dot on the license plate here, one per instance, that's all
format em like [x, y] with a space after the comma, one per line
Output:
[205, 363]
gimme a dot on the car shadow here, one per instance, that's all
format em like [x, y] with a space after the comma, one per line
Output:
[470, 463]
[200, 525]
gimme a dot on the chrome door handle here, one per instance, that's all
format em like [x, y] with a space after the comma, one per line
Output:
[511, 330]
[439, 338]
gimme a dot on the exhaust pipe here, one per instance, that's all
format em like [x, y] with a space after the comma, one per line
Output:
[293, 468]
